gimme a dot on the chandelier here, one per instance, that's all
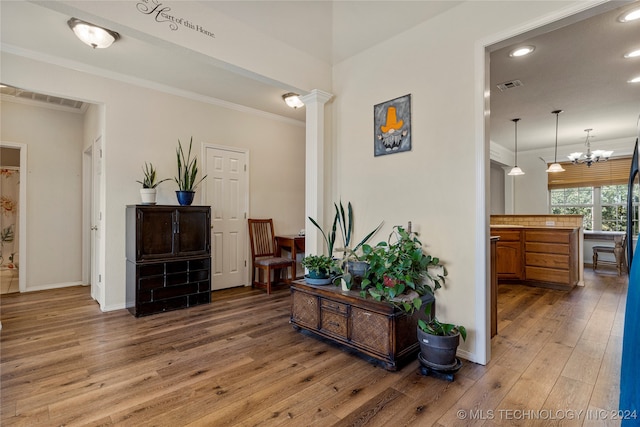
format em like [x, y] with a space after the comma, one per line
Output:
[591, 156]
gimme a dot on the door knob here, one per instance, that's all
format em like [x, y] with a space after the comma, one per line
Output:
[94, 227]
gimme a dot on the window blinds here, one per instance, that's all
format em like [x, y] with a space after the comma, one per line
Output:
[612, 172]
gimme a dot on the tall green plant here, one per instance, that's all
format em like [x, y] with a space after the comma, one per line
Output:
[330, 238]
[187, 169]
[345, 222]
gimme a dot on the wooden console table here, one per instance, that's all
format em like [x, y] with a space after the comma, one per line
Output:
[376, 329]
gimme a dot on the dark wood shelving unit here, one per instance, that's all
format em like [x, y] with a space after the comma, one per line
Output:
[168, 257]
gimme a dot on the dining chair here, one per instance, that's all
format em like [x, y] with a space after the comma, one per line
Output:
[618, 251]
[264, 255]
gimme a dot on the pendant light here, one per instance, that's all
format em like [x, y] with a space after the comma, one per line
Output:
[556, 167]
[516, 170]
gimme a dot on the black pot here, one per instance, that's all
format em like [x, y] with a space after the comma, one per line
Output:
[185, 198]
[438, 352]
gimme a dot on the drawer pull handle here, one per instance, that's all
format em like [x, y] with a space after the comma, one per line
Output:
[334, 324]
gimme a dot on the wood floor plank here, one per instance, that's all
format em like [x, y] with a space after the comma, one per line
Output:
[238, 361]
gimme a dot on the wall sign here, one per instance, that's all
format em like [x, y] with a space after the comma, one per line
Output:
[163, 15]
[392, 126]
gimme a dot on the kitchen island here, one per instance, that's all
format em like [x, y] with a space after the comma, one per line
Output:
[538, 255]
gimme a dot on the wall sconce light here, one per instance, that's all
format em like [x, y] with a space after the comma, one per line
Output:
[556, 167]
[292, 100]
[94, 36]
[516, 170]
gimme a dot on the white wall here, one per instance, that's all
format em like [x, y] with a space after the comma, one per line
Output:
[435, 184]
[54, 191]
[144, 125]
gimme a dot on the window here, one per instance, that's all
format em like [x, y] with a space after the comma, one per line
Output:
[603, 208]
[614, 207]
[574, 201]
[598, 193]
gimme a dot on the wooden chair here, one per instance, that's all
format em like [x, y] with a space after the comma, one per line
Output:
[618, 252]
[264, 254]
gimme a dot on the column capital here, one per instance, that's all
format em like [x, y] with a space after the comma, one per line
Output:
[316, 96]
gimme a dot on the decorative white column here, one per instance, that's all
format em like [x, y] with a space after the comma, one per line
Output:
[314, 175]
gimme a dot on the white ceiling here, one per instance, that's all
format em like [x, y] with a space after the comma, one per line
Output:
[577, 68]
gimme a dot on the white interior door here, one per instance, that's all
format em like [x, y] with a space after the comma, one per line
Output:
[226, 191]
[97, 291]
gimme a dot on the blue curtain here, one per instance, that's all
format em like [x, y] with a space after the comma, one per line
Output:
[630, 371]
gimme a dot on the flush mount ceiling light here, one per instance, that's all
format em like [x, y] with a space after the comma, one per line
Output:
[292, 100]
[630, 16]
[516, 170]
[94, 36]
[632, 54]
[522, 51]
[556, 167]
[591, 157]
[634, 80]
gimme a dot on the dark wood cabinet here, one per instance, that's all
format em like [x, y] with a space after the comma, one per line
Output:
[168, 257]
[376, 329]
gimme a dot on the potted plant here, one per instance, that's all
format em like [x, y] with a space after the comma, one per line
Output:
[187, 174]
[322, 269]
[352, 265]
[439, 342]
[149, 184]
[400, 271]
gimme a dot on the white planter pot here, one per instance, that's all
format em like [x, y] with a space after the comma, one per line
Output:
[148, 196]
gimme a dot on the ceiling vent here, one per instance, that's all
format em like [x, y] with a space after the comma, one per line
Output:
[53, 101]
[509, 85]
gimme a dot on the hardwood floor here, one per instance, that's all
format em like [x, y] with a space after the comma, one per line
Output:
[237, 361]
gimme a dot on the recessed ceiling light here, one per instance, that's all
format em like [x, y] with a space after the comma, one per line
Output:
[630, 16]
[634, 80]
[632, 54]
[522, 51]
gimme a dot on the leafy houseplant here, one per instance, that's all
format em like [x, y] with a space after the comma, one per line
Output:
[187, 174]
[400, 266]
[319, 266]
[438, 341]
[149, 184]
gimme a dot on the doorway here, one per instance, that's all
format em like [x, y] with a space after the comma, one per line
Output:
[226, 190]
[13, 217]
[496, 179]
[92, 220]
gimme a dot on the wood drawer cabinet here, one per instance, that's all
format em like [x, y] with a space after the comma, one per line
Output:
[551, 256]
[509, 262]
[168, 258]
[538, 256]
[376, 329]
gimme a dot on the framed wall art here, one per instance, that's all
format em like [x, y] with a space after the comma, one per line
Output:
[392, 126]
